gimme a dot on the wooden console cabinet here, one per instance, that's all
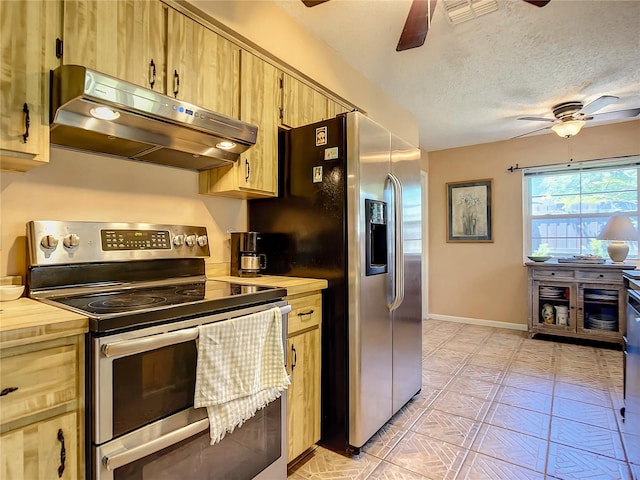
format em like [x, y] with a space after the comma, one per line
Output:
[592, 295]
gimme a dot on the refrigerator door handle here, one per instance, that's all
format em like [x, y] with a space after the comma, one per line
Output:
[398, 274]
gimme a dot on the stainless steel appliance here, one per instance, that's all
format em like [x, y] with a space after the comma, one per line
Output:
[350, 213]
[90, 110]
[631, 427]
[246, 259]
[144, 290]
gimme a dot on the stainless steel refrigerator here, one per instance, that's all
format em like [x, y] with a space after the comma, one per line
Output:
[349, 211]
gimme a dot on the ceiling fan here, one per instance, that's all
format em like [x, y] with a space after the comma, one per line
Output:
[571, 116]
[418, 20]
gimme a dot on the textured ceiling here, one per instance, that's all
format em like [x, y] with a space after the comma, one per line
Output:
[469, 82]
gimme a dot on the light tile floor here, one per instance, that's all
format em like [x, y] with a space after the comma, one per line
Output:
[496, 405]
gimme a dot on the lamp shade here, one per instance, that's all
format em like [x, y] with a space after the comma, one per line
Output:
[568, 128]
[619, 227]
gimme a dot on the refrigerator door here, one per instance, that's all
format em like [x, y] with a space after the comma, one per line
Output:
[370, 329]
[407, 317]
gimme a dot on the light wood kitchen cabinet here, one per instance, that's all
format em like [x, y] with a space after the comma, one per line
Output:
[41, 410]
[577, 300]
[334, 108]
[154, 46]
[27, 41]
[303, 364]
[203, 68]
[122, 38]
[256, 172]
[301, 103]
[44, 450]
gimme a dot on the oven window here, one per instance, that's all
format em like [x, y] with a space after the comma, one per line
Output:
[239, 456]
[152, 385]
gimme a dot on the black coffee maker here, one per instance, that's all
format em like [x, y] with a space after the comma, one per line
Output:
[246, 260]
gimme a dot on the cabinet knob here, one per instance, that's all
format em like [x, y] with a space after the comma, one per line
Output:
[176, 83]
[152, 73]
[295, 357]
[63, 453]
[7, 391]
[27, 122]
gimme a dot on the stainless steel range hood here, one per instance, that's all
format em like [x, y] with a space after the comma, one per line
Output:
[148, 126]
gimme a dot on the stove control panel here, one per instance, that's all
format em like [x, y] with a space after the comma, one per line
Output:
[135, 239]
[53, 242]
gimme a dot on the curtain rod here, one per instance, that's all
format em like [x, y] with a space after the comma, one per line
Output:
[622, 160]
[517, 167]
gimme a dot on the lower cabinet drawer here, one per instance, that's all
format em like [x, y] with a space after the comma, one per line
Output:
[306, 311]
[553, 274]
[36, 381]
[601, 276]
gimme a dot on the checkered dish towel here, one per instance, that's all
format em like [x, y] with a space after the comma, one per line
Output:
[240, 369]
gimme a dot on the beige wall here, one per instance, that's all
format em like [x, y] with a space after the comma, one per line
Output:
[87, 187]
[487, 281]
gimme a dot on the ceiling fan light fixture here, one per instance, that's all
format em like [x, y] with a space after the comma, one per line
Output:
[459, 11]
[568, 128]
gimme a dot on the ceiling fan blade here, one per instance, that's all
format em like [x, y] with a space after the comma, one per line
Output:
[416, 26]
[538, 3]
[313, 3]
[598, 103]
[538, 119]
[632, 112]
[533, 131]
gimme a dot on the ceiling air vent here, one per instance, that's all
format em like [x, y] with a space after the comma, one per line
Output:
[459, 11]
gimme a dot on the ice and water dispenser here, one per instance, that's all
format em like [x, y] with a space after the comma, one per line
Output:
[376, 237]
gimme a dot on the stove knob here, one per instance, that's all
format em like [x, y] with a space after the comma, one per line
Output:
[190, 240]
[178, 240]
[49, 242]
[71, 241]
[202, 240]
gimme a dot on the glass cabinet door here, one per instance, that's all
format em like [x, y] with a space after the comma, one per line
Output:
[601, 309]
[554, 307]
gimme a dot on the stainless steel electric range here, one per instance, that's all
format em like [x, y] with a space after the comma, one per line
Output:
[145, 292]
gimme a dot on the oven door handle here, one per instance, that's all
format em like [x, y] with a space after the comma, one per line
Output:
[136, 453]
[132, 347]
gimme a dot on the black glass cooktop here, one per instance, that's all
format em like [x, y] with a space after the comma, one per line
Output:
[166, 301]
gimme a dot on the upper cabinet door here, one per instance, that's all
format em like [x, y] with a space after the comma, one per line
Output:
[27, 43]
[202, 67]
[260, 100]
[122, 38]
[255, 174]
[301, 104]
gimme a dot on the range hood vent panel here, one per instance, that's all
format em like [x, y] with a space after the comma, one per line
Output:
[150, 126]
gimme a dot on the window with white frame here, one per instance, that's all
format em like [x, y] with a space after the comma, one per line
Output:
[566, 208]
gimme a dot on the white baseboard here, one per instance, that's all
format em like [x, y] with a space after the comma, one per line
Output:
[479, 321]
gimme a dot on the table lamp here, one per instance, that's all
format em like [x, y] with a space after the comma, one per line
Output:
[618, 229]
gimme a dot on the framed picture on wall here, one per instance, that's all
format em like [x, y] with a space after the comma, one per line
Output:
[469, 211]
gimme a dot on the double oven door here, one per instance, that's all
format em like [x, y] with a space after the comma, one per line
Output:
[142, 422]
